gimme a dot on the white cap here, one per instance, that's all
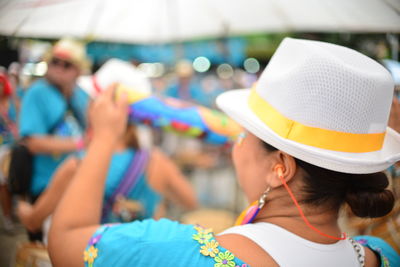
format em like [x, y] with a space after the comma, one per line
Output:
[115, 71]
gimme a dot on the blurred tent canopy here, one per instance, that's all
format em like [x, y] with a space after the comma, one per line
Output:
[161, 21]
[231, 50]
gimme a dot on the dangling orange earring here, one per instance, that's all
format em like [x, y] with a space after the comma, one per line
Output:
[250, 213]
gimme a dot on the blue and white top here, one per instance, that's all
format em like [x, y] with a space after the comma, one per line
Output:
[157, 243]
[169, 243]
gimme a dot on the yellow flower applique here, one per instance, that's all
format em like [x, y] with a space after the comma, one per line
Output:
[202, 237]
[210, 248]
[203, 230]
[89, 255]
[226, 259]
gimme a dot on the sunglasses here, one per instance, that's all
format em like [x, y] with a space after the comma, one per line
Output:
[61, 63]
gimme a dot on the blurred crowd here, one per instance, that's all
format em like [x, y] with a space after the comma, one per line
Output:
[47, 115]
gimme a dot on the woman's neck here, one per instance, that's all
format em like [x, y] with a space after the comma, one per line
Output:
[282, 211]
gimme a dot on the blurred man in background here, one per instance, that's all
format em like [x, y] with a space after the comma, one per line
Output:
[52, 117]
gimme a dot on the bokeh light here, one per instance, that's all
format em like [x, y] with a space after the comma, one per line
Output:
[251, 65]
[201, 64]
[152, 70]
[40, 69]
[225, 71]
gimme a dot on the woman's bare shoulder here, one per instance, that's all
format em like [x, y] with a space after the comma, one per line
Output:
[246, 250]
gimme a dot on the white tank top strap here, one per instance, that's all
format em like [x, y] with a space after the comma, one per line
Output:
[288, 249]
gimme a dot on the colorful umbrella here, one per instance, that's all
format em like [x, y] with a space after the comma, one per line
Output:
[180, 117]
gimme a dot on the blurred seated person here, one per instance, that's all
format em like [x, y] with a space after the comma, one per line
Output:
[126, 198]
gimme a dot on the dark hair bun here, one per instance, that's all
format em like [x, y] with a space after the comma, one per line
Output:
[367, 196]
[370, 204]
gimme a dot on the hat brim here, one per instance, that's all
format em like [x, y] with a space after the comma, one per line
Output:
[235, 104]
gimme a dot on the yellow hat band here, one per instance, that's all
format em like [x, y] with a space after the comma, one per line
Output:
[312, 136]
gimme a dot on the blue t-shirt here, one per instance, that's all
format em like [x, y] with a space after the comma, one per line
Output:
[20, 92]
[140, 203]
[157, 243]
[44, 112]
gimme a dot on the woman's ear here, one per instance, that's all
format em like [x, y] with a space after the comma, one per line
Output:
[283, 165]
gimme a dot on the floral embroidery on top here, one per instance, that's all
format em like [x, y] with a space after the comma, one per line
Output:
[383, 258]
[210, 248]
[224, 259]
[203, 230]
[91, 253]
[202, 237]
[362, 241]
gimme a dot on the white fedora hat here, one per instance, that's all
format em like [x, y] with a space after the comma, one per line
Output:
[322, 103]
[115, 71]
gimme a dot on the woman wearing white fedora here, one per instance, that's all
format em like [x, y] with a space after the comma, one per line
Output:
[316, 138]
